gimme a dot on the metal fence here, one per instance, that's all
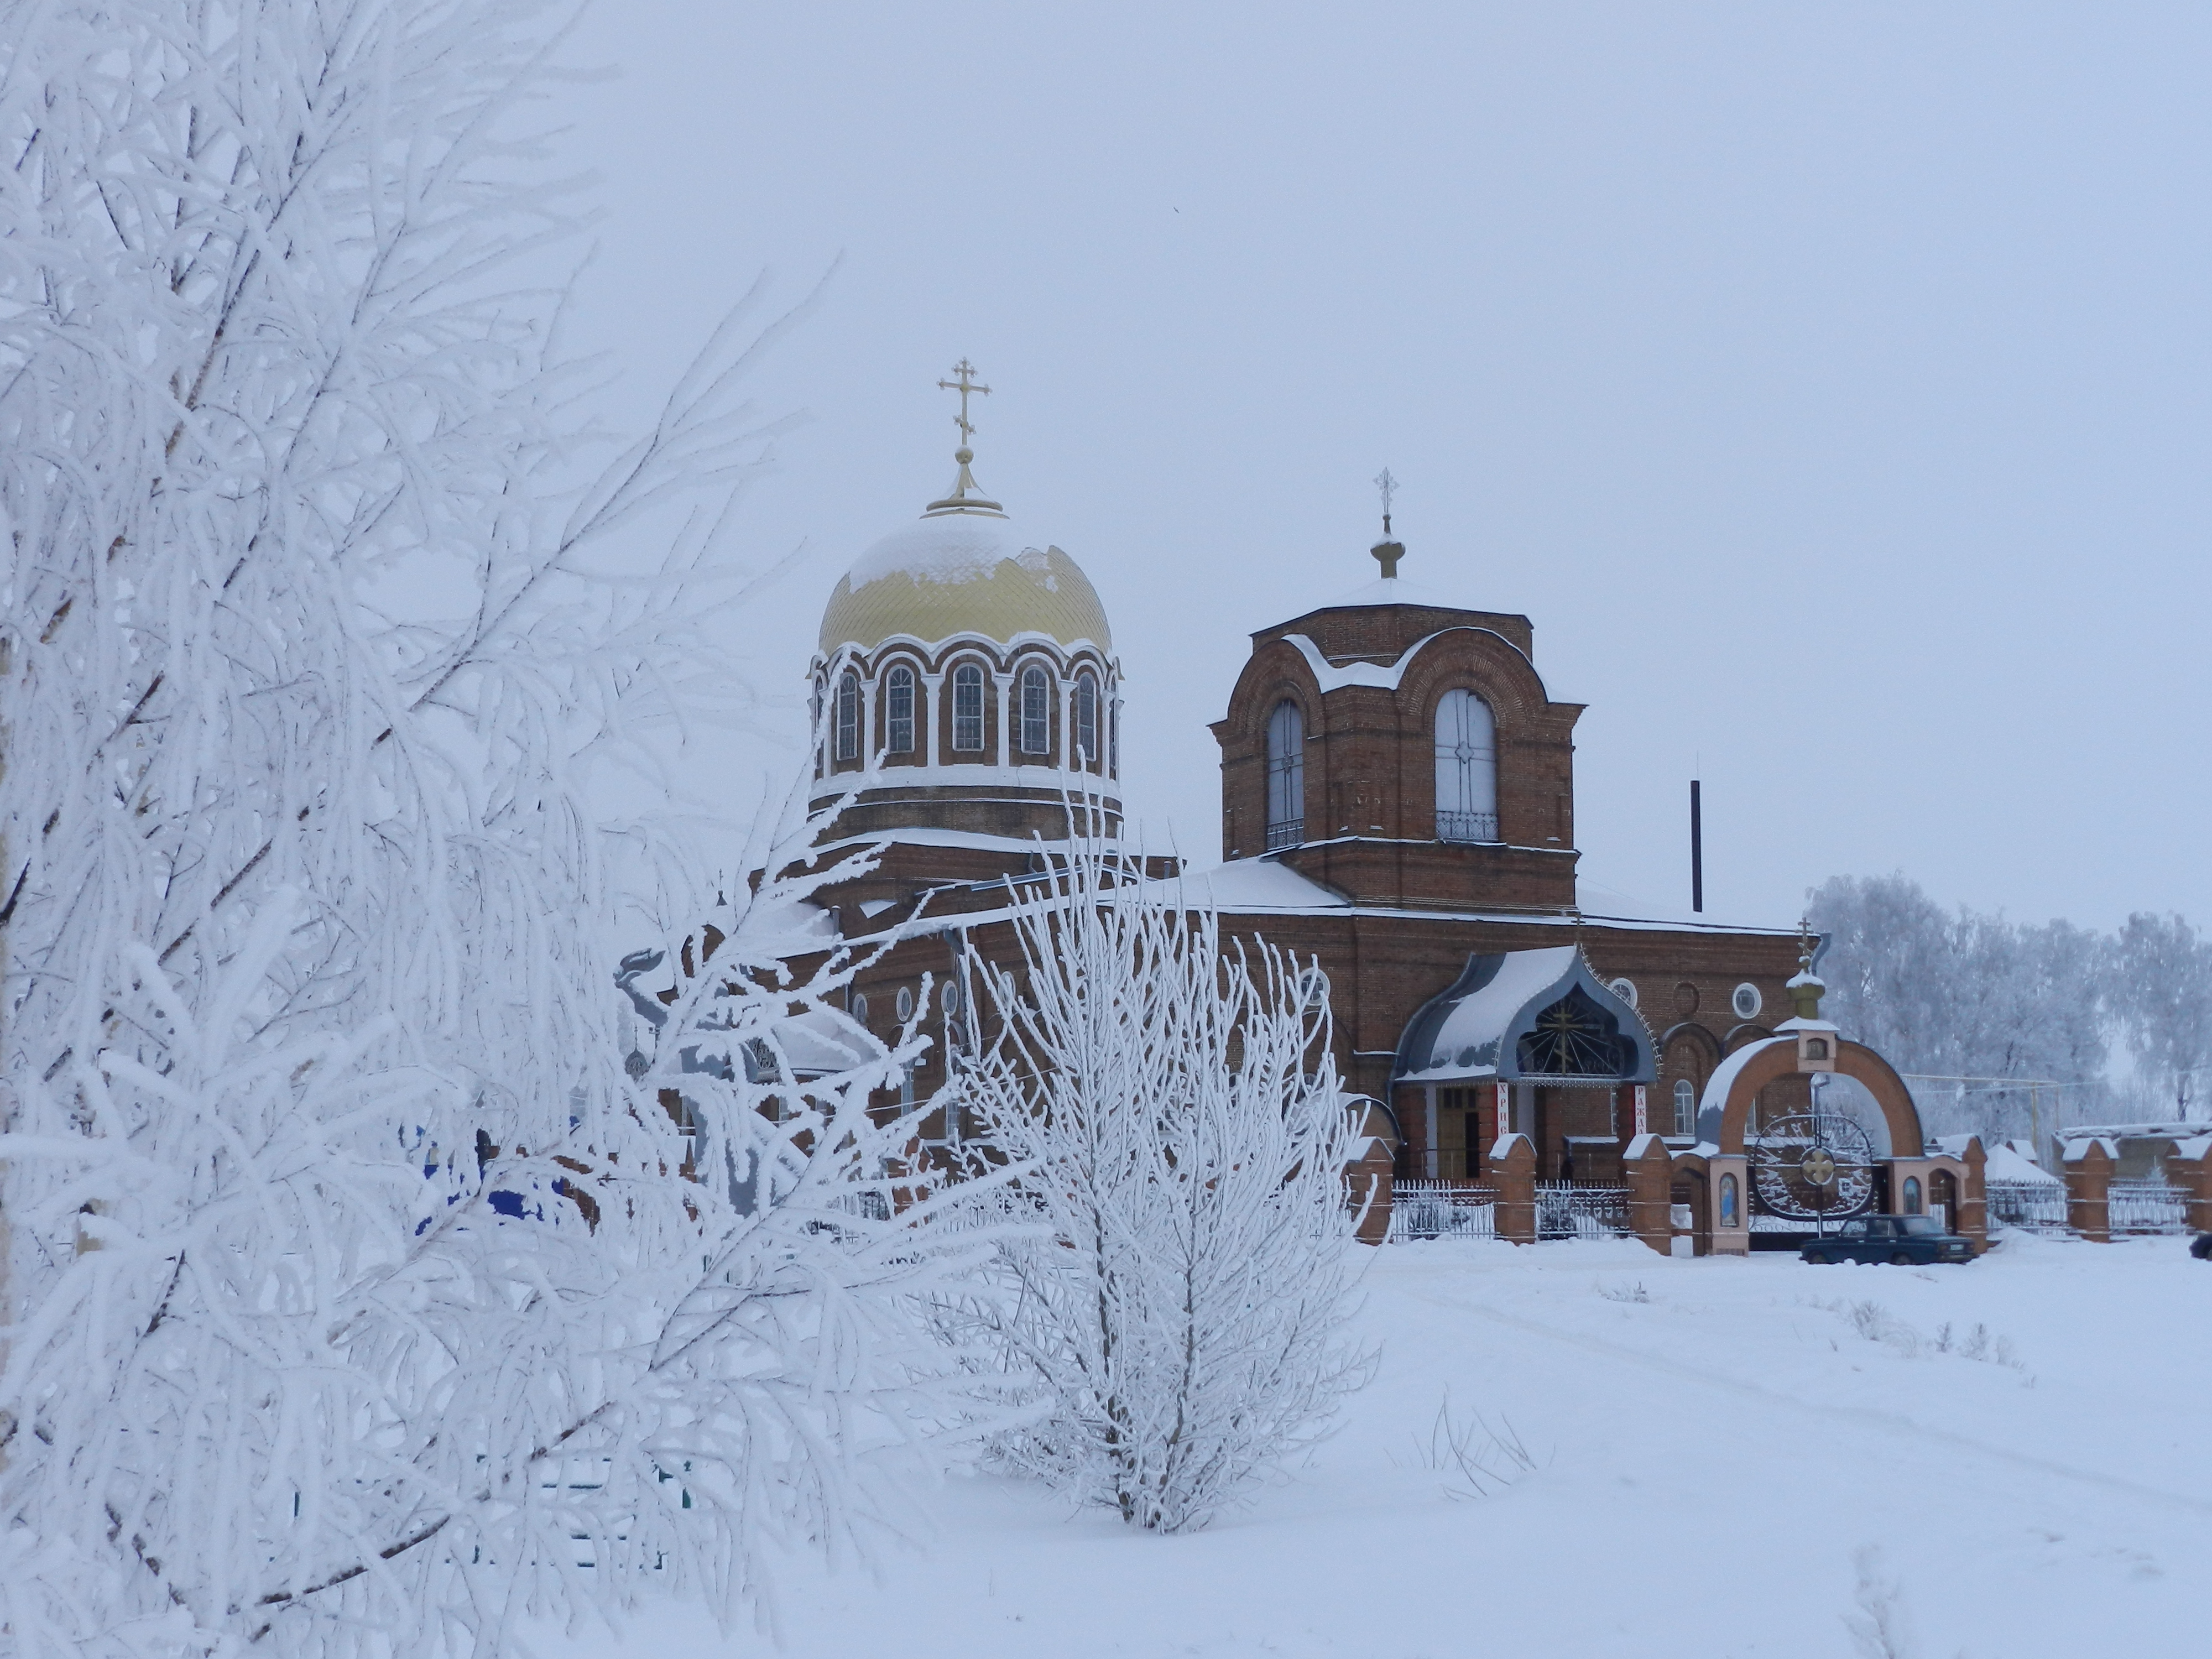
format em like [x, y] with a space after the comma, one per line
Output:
[2146, 1206]
[1442, 1209]
[1580, 1210]
[2037, 1205]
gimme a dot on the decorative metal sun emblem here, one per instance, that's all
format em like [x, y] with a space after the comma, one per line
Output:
[1574, 1037]
[1811, 1166]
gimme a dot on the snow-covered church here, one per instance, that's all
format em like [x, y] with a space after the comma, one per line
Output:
[1397, 803]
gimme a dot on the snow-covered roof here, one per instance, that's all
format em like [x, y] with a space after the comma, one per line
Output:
[963, 573]
[1253, 885]
[1334, 676]
[1471, 1031]
[2005, 1163]
[822, 1041]
[1392, 590]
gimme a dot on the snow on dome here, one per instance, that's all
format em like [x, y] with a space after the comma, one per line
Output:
[962, 573]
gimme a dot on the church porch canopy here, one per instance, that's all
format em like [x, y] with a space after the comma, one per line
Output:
[1526, 1017]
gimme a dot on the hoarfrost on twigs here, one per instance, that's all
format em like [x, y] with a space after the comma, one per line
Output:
[351, 1276]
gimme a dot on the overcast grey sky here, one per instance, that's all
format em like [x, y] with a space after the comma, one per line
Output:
[1828, 384]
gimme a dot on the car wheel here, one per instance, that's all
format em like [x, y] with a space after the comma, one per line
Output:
[1900, 1260]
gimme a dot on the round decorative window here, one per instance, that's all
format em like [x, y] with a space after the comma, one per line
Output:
[950, 1000]
[905, 1004]
[1745, 1001]
[1624, 989]
[859, 1007]
[1313, 989]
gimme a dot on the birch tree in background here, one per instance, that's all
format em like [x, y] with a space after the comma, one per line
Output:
[1182, 1308]
[350, 1277]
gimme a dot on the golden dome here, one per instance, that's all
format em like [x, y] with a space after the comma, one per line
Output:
[962, 572]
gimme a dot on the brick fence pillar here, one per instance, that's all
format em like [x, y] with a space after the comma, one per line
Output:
[2088, 1170]
[1367, 1181]
[1974, 1217]
[2189, 1166]
[1513, 1172]
[1650, 1172]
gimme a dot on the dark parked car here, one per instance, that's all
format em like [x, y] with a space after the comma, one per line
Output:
[1906, 1240]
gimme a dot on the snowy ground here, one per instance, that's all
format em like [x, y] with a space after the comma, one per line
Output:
[1719, 1443]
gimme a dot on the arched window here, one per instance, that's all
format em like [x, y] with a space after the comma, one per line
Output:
[1685, 1108]
[848, 718]
[968, 707]
[1086, 723]
[1287, 775]
[1037, 712]
[900, 697]
[1466, 768]
[1912, 1206]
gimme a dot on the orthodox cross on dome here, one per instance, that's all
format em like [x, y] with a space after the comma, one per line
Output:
[964, 383]
[966, 497]
[1388, 486]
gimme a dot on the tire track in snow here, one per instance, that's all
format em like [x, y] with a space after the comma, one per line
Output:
[1887, 1423]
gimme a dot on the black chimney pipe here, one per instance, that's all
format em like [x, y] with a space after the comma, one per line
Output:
[1697, 850]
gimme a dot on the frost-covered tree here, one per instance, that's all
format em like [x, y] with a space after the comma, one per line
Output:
[351, 1276]
[1965, 995]
[1181, 1307]
[2161, 991]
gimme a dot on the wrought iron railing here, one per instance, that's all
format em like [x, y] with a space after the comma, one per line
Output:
[2037, 1205]
[2146, 1206]
[1289, 832]
[1467, 826]
[1575, 1209]
[1442, 1209]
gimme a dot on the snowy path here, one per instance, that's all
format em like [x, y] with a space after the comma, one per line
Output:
[1716, 1454]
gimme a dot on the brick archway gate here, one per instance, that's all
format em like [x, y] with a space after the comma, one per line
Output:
[1725, 1115]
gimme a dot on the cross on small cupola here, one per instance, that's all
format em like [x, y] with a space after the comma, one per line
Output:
[1816, 1037]
[1389, 549]
[966, 495]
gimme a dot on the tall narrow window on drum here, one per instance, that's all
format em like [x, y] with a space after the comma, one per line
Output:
[848, 718]
[1037, 712]
[968, 707]
[1466, 768]
[1287, 775]
[1086, 723]
[899, 695]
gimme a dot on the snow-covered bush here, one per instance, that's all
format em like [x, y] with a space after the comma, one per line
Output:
[1182, 1309]
[351, 1275]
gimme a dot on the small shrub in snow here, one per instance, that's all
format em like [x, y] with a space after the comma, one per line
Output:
[1478, 1461]
[1178, 1117]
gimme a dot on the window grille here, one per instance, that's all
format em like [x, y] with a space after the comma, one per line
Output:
[1466, 768]
[1086, 722]
[1037, 712]
[1287, 775]
[902, 711]
[848, 718]
[968, 707]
